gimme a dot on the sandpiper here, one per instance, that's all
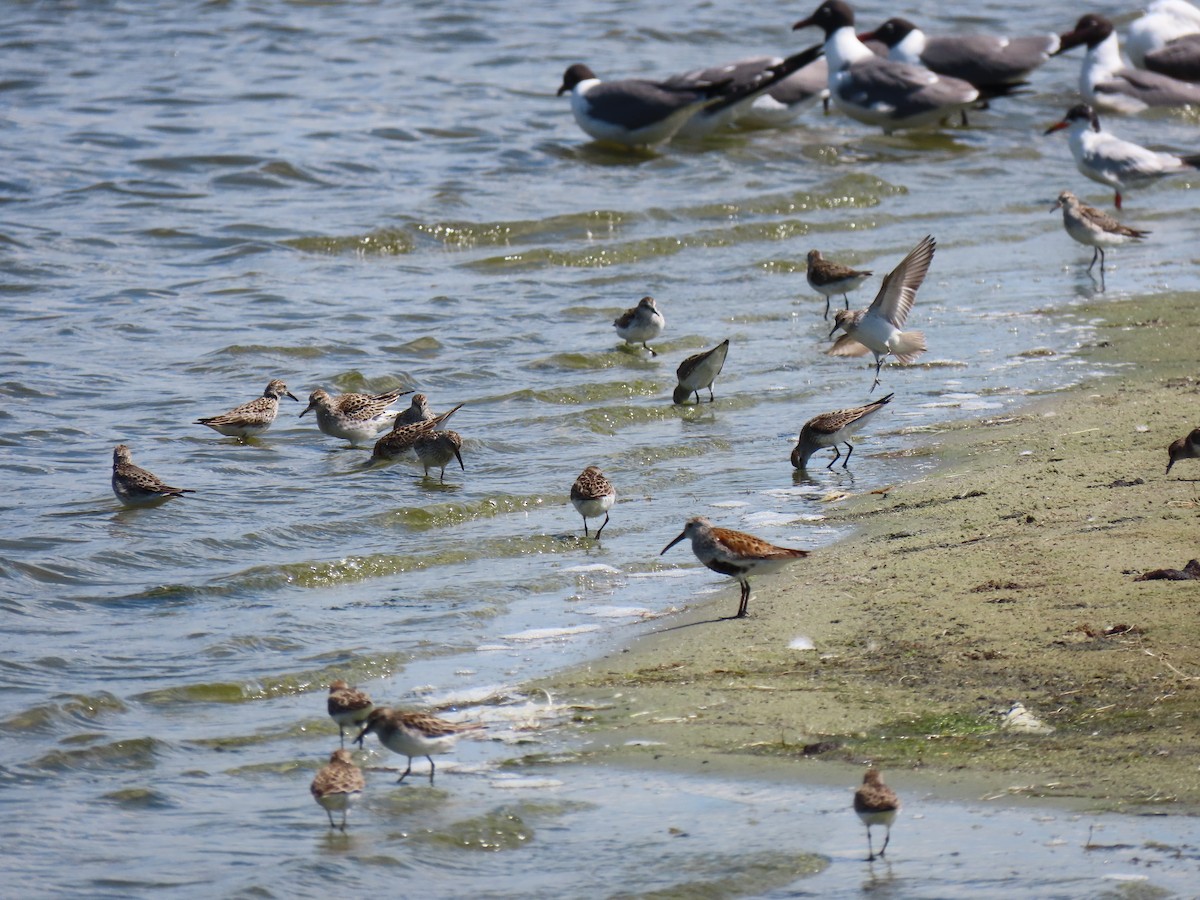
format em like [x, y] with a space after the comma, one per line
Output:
[1089, 226]
[700, 371]
[253, 418]
[414, 734]
[877, 328]
[1187, 447]
[338, 786]
[593, 496]
[436, 448]
[641, 323]
[830, 278]
[734, 553]
[876, 804]
[357, 418]
[418, 411]
[831, 428]
[134, 486]
[347, 706]
[403, 438]
[1105, 158]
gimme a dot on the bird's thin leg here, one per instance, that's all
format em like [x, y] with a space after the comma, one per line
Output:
[741, 614]
[653, 352]
[711, 398]
[442, 477]
[887, 836]
[1100, 250]
[870, 852]
[602, 526]
[849, 450]
[1117, 200]
[585, 531]
[343, 821]
[826, 307]
[406, 771]
[330, 814]
[432, 768]
[878, 366]
[847, 299]
[1095, 256]
[697, 397]
[836, 457]
[342, 734]
[964, 118]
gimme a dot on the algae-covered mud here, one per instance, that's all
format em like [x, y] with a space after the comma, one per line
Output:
[1009, 575]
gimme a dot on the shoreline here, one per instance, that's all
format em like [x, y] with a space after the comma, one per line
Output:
[1005, 575]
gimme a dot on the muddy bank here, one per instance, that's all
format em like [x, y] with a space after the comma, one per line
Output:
[1010, 574]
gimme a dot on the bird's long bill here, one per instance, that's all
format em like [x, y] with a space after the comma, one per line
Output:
[1057, 206]
[306, 409]
[803, 23]
[359, 740]
[562, 89]
[682, 535]
[1057, 126]
[1069, 41]
[293, 396]
[833, 330]
[867, 36]
[458, 456]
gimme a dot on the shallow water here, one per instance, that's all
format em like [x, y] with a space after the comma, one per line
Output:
[201, 197]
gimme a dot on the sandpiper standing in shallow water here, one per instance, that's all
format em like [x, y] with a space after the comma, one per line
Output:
[436, 448]
[876, 804]
[134, 486]
[403, 438]
[831, 428]
[338, 786]
[356, 418]
[418, 411]
[1090, 227]
[700, 371]
[1187, 447]
[414, 734]
[253, 418]
[641, 323]
[734, 553]
[347, 706]
[877, 328]
[830, 279]
[593, 496]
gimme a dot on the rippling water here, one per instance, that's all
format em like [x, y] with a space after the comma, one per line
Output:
[201, 197]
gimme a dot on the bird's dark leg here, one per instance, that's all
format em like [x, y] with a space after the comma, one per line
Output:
[847, 299]
[585, 531]
[826, 307]
[653, 352]
[432, 768]
[837, 455]
[870, 852]
[601, 528]
[1095, 256]
[878, 366]
[406, 771]
[442, 476]
[887, 836]
[711, 398]
[697, 397]
[342, 734]
[741, 613]
[849, 450]
[330, 814]
[343, 821]
[1117, 199]
[1100, 250]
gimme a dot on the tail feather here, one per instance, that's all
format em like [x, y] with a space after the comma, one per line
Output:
[908, 345]
[1193, 161]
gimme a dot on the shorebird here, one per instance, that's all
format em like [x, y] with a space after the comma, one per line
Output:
[1089, 226]
[356, 418]
[1187, 447]
[134, 486]
[593, 496]
[338, 786]
[829, 278]
[876, 804]
[347, 706]
[831, 428]
[414, 734]
[418, 411]
[877, 328]
[1105, 158]
[734, 553]
[700, 371]
[403, 438]
[1164, 22]
[1106, 82]
[436, 448]
[253, 418]
[879, 91]
[641, 323]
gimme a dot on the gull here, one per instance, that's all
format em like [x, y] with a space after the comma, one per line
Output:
[1179, 59]
[700, 371]
[788, 98]
[879, 91]
[134, 486]
[1105, 158]
[356, 418]
[876, 804]
[735, 553]
[1089, 226]
[641, 323]
[877, 328]
[831, 428]
[829, 278]
[253, 418]
[1106, 82]
[1165, 21]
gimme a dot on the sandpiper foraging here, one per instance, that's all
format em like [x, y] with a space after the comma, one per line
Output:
[356, 418]
[593, 496]
[347, 706]
[876, 804]
[1090, 227]
[877, 328]
[403, 438]
[253, 418]
[734, 553]
[415, 734]
[1187, 447]
[831, 428]
[829, 278]
[134, 486]
[418, 411]
[338, 786]
[436, 448]
[700, 371]
[641, 323]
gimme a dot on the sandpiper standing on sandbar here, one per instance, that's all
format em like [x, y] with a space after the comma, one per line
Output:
[593, 496]
[338, 786]
[357, 418]
[347, 706]
[134, 486]
[1093, 228]
[253, 418]
[876, 804]
[832, 428]
[1187, 447]
[641, 323]
[700, 371]
[829, 278]
[734, 553]
[415, 734]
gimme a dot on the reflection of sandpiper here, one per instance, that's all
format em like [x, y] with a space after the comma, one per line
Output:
[593, 496]
[876, 804]
[641, 323]
[414, 734]
[700, 371]
[831, 428]
[829, 278]
[338, 786]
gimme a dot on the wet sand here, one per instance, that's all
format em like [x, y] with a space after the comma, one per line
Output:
[1009, 574]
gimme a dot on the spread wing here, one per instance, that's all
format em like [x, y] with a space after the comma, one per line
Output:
[895, 298]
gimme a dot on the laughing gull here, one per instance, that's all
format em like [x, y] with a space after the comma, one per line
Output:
[785, 100]
[1164, 22]
[1106, 82]
[1090, 227]
[879, 91]
[1105, 158]
[1179, 59]
[635, 112]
